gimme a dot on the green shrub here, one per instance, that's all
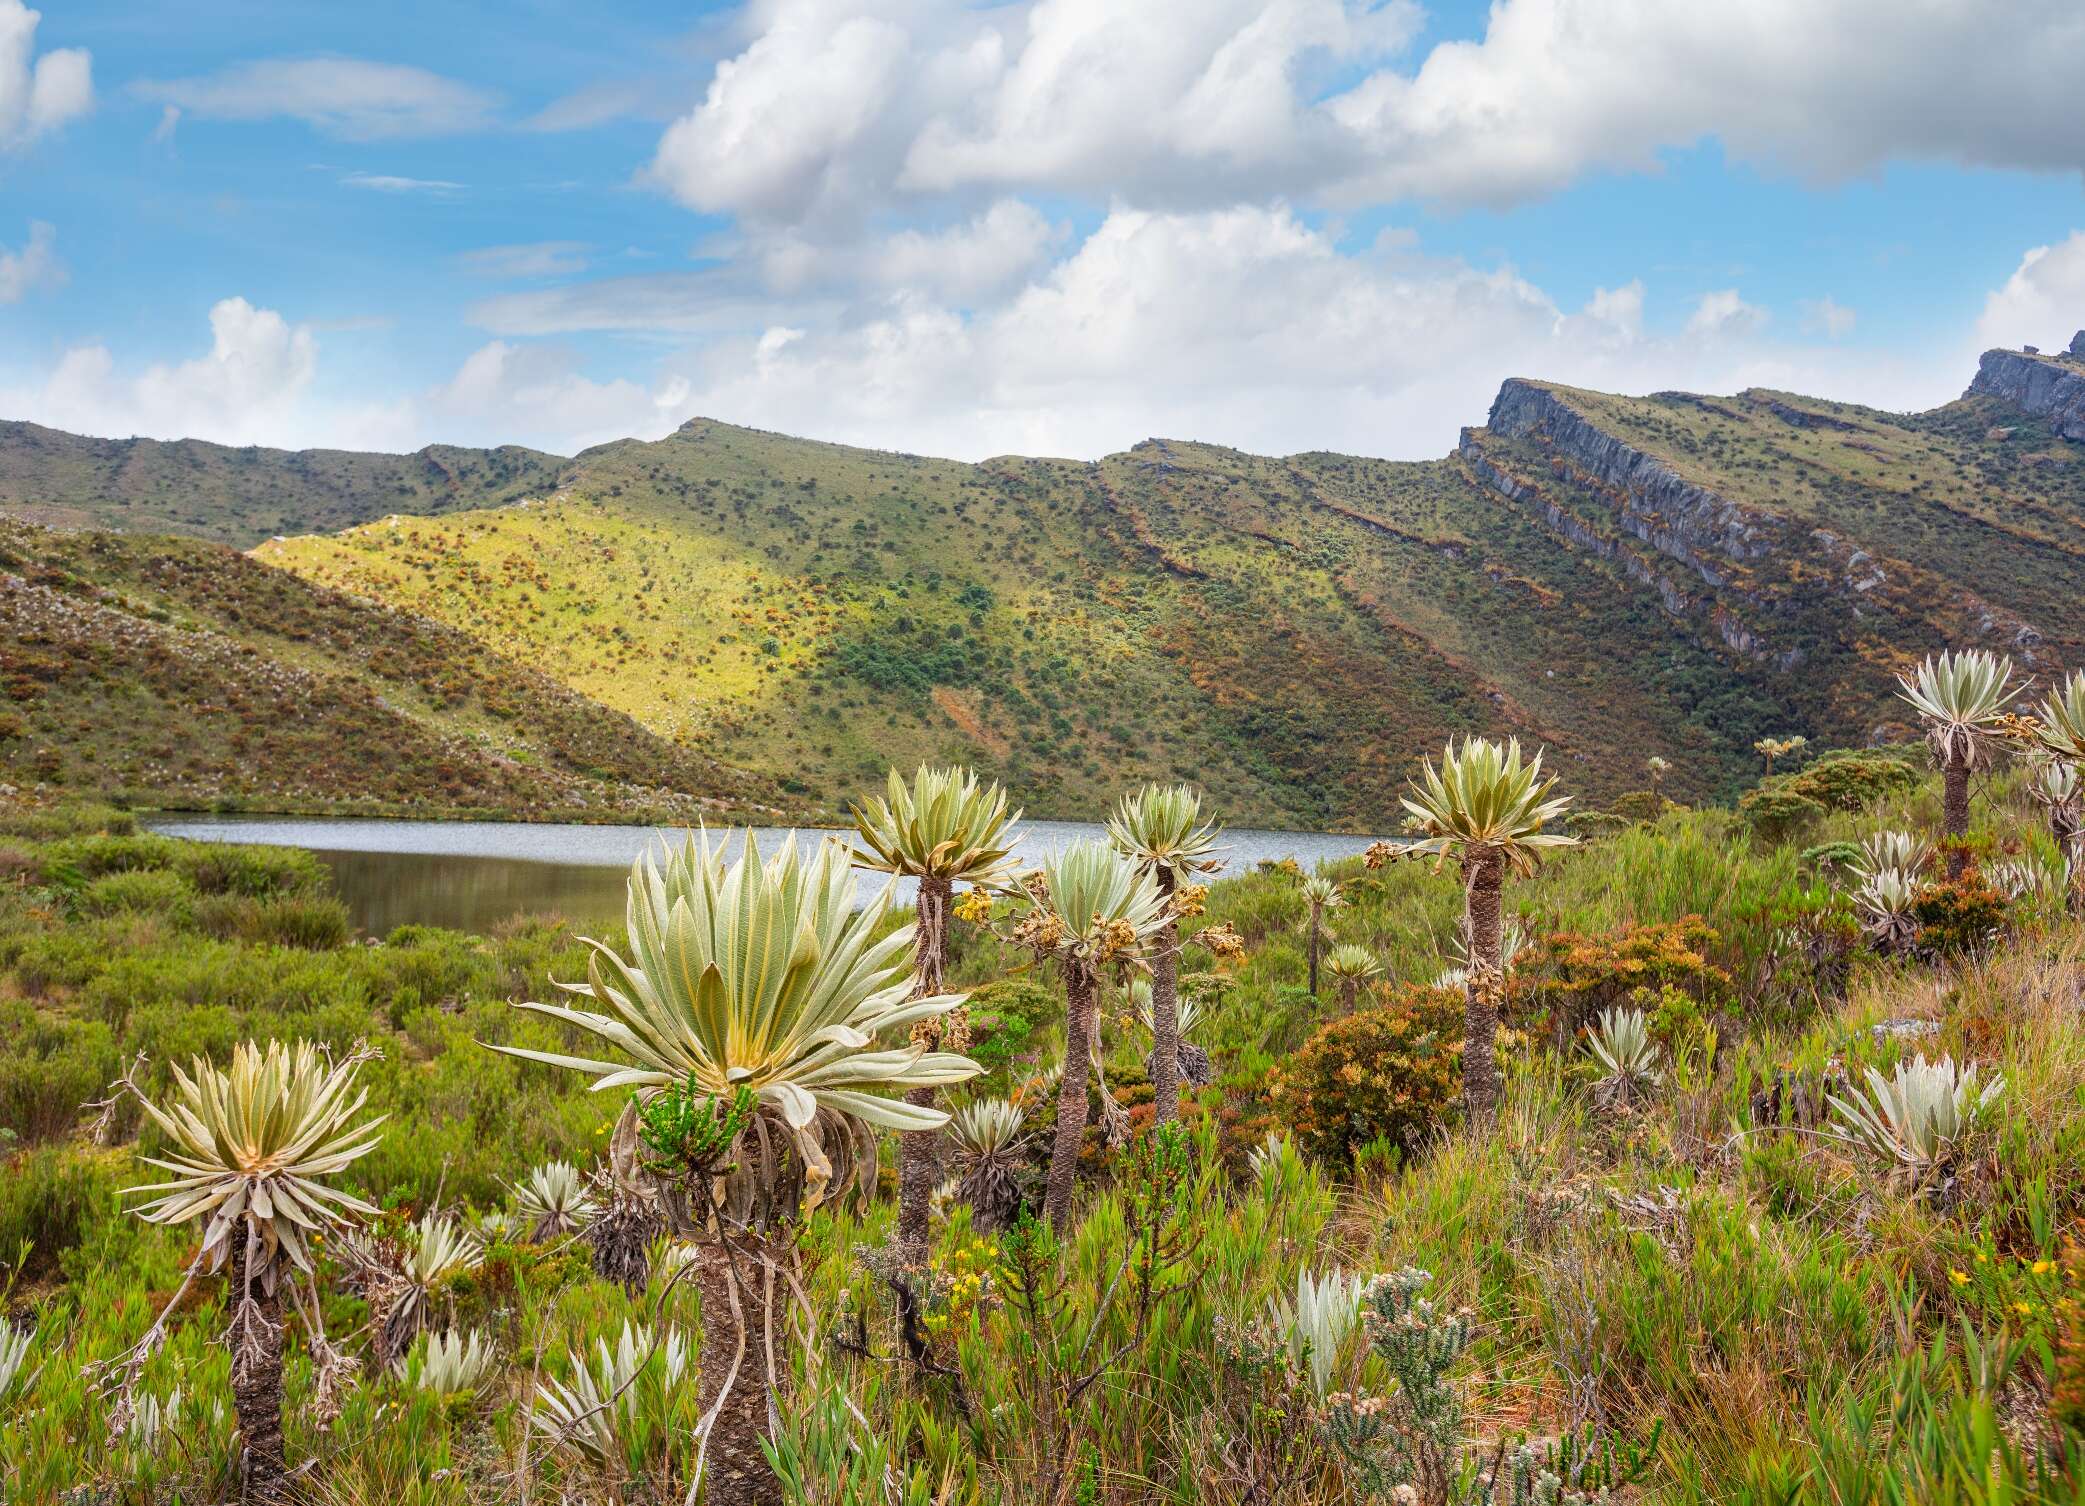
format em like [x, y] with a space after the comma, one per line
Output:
[1854, 779]
[1778, 814]
[139, 891]
[257, 872]
[50, 1064]
[1637, 805]
[52, 1199]
[70, 818]
[1385, 1074]
[91, 857]
[1009, 1019]
[1591, 826]
[312, 922]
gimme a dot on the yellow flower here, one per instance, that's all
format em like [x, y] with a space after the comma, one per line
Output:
[2022, 1307]
[1960, 1278]
[2042, 1267]
[1982, 1258]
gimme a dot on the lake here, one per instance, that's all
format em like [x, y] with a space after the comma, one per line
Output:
[471, 875]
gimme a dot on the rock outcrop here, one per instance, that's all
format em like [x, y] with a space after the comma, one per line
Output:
[2041, 386]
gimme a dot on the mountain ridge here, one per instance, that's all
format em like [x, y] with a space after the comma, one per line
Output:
[1611, 576]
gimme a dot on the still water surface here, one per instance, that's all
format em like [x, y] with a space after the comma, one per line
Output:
[471, 875]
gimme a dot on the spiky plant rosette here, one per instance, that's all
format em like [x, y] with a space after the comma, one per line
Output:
[1484, 798]
[2060, 719]
[763, 975]
[946, 825]
[2057, 784]
[1160, 828]
[1904, 851]
[554, 1201]
[1321, 896]
[1091, 906]
[1886, 903]
[988, 1134]
[1350, 962]
[1621, 1043]
[1962, 699]
[1917, 1117]
[252, 1145]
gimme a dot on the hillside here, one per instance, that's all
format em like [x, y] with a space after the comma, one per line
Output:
[1609, 576]
[241, 496]
[184, 673]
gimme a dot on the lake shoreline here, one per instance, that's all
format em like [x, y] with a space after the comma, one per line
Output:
[471, 875]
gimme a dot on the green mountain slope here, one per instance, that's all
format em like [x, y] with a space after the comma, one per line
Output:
[1612, 577]
[184, 673]
[241, 496]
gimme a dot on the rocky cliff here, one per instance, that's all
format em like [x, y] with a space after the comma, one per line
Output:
[2050, 387]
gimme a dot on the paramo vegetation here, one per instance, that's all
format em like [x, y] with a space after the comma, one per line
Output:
[1553, 1155]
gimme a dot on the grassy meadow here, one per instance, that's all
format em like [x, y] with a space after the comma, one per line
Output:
[1700, 1291]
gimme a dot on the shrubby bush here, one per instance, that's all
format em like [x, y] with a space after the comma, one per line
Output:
[1387, 1074]
[1777, 814]
[50, 1064]
[52, 1200]
[1567, 978]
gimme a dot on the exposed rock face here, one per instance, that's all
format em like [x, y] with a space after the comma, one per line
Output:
[1689, 525]
[2044, 388]
[1753, 568]
[2078, 343]
[1682, 521]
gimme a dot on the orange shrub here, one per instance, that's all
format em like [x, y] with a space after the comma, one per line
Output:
[1388, 1073]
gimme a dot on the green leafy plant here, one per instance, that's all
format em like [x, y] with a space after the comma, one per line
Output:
[1160, 829]
[1089, 908]
[945, 827]
[1621, 1043]
[1315, 1323]
[1485, 808]
[253, 1149]
[1917, 1118]
[450, 1364]
[1962, 699]
[759, 978]
[988, 1135]
[554, 1202]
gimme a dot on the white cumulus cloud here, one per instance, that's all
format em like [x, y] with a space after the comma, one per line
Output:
[35, 265]
[1724, 313]
[248, 388]
[833, 110]
[2043, 302]
[37, 93]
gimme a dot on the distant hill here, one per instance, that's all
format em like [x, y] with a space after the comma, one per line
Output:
[1611, 577]
[241, 496]
[184, 673]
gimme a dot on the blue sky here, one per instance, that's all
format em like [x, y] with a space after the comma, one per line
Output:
[1051, 226]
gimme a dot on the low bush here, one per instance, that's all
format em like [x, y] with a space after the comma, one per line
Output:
[255, 872]
[1568, 979]
[52, 1200]
[140, 891]
[1388, 1074]
[1958, 917]
[1777, 814]
[313, 922]
[50, 1064]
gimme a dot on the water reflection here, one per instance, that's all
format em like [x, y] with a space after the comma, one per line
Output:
[472, 875]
